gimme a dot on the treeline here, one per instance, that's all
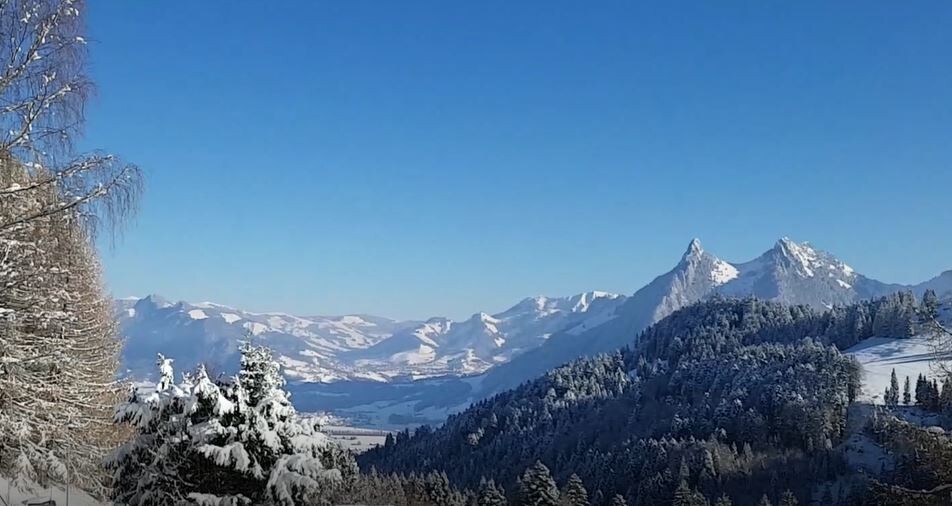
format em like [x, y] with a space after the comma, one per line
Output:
[736, 399]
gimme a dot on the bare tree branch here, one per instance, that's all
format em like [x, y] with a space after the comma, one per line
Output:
[43, 92]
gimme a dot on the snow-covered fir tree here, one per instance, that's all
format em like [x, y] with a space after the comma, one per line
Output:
[151, 467]
[537, 487]
[945, 397]
[891, 395]
[574, 493]
[723, 501]
[788, 499]
[225, 443]
[685, 496]
[490, 494]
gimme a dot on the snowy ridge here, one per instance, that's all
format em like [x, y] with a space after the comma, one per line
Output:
[349, 347]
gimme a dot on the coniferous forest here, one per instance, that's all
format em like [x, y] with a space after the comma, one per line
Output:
[726, 400]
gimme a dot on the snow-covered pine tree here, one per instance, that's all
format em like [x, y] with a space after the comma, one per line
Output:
[934, 395]
[263, 442]
[490, 494]
[787, 498]
[618, 500]
[149, 468]
[237, 443]
[945, 396]
[921, 390]
[685, 496]
[537, 487]
[929, 308]
[891, 395]
[724, 501]
[574, 493]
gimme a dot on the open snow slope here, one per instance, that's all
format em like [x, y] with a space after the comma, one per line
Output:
[909, 357]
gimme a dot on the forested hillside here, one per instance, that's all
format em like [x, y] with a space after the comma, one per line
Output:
[727, 397]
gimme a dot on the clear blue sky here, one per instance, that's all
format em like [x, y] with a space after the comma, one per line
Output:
[415, 158]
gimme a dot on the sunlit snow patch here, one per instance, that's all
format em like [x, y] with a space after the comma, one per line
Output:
[880, 355]
[723, 272]
[230, 317]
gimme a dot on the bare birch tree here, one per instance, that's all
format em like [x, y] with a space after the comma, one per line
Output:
[43, 94]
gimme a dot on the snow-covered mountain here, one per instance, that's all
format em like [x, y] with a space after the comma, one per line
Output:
[405, 372]
[797, 273]
[350, 347]
[789, 272]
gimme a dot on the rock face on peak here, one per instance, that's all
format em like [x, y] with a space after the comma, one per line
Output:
[798, 273]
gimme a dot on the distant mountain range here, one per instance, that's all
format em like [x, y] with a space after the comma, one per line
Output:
[353, 347]
[330, 358]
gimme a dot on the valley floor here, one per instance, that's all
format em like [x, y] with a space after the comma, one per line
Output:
[356, 439]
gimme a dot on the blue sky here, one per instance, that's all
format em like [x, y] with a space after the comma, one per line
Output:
[413, 158]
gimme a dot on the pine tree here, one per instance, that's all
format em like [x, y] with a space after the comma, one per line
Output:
[724, 501]
[930, 305]
[148, 469]
[684, 496]
[906, 394]
[891, 395]
[490, 495]
[228, 443]
[945, 397]
[538, 488]
[788, 499]
[574, 493]
[618, 500]
[764, 501]
[437, 488]
[921, 391]
[934, 402]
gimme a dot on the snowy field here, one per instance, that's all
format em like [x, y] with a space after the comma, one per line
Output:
[879, 356]
[13, 497]
[356, 439]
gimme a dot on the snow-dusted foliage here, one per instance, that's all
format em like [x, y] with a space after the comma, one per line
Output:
[224, 442]
[58, 344]
[537, 488]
